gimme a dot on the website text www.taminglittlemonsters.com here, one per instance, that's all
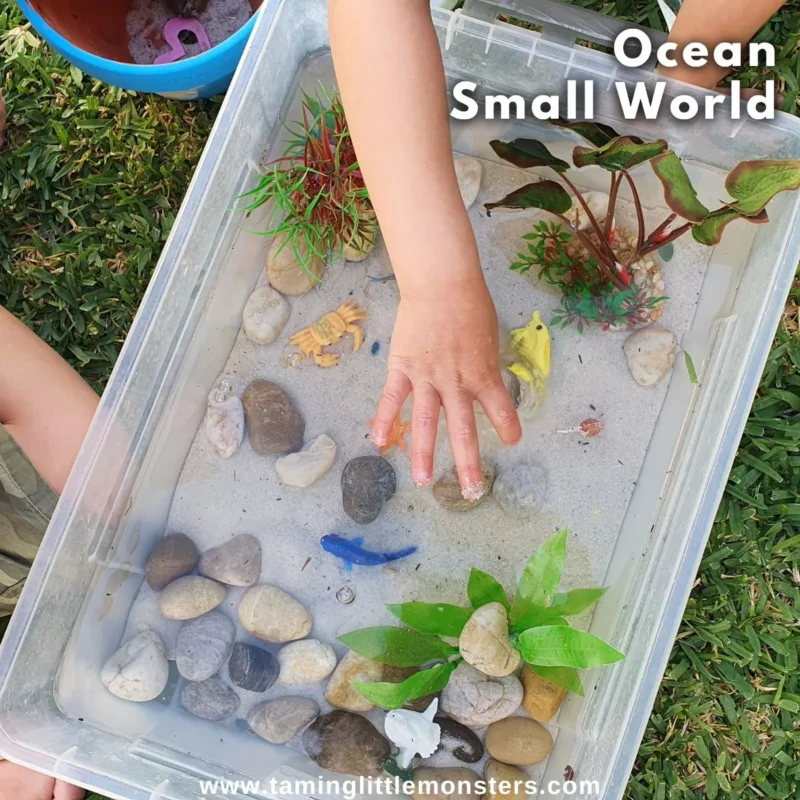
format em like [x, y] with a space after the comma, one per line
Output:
[352, 788]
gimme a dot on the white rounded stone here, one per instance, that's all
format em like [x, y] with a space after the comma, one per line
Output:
[305, 662]
[650, 353]
[264, 315]
[139, 670]
[484, 642]
[190, 597]
[306, 467]
[224, 423]
[476, 700]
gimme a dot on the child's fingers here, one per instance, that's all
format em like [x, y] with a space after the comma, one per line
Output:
[395, 391]
[424, 426]
[460, 413]
[500, 409]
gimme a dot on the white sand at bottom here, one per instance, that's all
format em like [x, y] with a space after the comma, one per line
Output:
[589, 485]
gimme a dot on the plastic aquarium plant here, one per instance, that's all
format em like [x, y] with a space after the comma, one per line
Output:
[316, 187]
[538, 628]
[597, 288]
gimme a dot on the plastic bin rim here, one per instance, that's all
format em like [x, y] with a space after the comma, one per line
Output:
[74, 54]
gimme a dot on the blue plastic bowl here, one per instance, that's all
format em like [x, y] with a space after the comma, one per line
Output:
[204, 75]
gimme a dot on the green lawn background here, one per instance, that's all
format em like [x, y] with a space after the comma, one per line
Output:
[91, 178]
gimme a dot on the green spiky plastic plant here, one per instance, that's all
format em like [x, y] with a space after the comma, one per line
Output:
[597, 288]
[316, 187]
[589, 296]
[537, 628]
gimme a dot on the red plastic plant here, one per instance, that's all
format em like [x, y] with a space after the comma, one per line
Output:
[751, 184]
[316, 187]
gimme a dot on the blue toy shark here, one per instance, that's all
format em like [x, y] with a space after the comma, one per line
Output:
[351, 552]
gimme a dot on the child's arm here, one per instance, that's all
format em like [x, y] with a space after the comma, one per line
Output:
[712, 22]
[44, 404]
[445, 342]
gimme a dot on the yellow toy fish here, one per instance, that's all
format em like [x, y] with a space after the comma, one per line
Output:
[532, 345]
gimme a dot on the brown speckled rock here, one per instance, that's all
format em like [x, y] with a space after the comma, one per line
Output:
[447, 490]
[508, 782]
[346, 743]
[273, 615]
[518, 741]
[430, 781]
[340, 693]
[358, 248]
[190, 597]
[274, 425]
[282, 719]
[235, 563]
[173, 557]
[468, 173]
[284, 271]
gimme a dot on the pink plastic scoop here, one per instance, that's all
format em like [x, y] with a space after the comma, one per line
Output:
[173, 29]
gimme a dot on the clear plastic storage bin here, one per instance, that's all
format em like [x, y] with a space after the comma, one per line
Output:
[55, 714]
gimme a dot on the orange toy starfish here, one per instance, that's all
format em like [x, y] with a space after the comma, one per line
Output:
[397, 436]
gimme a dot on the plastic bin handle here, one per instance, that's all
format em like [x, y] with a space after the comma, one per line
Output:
[559, 22]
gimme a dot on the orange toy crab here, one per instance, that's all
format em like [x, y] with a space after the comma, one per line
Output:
[329, 330]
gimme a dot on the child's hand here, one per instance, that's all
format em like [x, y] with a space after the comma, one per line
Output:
[19, 783]
[445, 350]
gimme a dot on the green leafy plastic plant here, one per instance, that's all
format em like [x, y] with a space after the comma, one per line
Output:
[598, 288]
[589, 296]
[316, 187]
[537, 627]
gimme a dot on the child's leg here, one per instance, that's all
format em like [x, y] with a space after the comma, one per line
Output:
[26, 505]
[44, 403]
[45, 410]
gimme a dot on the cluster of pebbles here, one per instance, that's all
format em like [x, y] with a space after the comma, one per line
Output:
[191, 587]
[519, 490]
[490, 705]
[275, 427]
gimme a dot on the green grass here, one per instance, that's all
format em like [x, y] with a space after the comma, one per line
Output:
[90, 182]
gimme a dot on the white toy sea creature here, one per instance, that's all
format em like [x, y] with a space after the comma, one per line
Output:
[224, 419]
[413, 733]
